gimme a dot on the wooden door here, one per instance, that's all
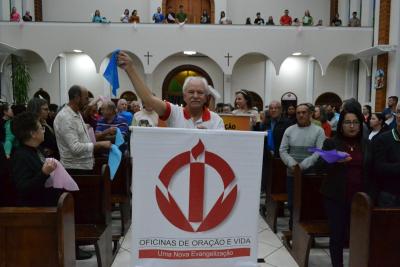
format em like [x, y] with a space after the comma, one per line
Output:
[193, 8]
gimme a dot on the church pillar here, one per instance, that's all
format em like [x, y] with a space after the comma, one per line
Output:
[355, 6]
[367, 13]
[383, 60]
[344, 13]
[269, 71]
[228, 89]
[5, 10]
[393, 81]
[38, 10]
[334, 9]
[63, 79]
[351, 80]
[310, 81]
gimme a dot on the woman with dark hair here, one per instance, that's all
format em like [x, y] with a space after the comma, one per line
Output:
[244, 105]
[377, 125]
[367, 111]
[345, 178]
[40, 108]
[7, 137]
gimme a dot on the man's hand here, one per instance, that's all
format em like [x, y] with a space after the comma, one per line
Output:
[124, 60]
[110, 131]
[106, 145]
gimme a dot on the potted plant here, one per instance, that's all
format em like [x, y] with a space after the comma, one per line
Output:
[20, 78]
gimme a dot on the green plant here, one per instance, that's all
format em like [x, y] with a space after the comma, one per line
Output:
[20, 78]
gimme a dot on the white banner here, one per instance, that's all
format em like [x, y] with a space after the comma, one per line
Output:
[196, 197]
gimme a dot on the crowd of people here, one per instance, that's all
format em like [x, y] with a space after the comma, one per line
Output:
[180, 17]
[371, 141]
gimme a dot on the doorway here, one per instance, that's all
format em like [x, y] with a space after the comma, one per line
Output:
[193, 8]
[173, 83]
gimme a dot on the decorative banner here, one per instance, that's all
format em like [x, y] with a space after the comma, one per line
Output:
[236, 122]
[195, 197]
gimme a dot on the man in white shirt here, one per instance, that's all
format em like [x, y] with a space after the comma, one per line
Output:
[195, 92]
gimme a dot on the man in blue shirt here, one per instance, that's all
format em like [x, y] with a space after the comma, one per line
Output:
[107, 127]
[158, 17]
[122, 107]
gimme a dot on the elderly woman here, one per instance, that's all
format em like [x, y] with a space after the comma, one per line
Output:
[40, 108]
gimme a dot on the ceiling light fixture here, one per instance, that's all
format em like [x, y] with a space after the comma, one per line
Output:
[77, 51]
[190, 53]
[296, 54]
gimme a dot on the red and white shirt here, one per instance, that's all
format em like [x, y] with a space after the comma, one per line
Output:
[179, 117]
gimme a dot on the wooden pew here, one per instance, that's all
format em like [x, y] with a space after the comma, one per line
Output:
[120, 189]
[38, 236]
[276, 193]
[374, 234]
[8, 192]
[309, 219]
[93, 214]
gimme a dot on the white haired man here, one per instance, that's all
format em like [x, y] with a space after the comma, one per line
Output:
[195, 94]
[122, 108]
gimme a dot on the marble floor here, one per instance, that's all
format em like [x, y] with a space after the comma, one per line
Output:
[270, 248]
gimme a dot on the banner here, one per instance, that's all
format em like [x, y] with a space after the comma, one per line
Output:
[196, 196]
[236, 122]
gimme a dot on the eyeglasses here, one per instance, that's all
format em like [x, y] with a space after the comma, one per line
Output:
[349, 123]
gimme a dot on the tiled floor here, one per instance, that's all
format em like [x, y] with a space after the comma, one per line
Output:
[270, 248]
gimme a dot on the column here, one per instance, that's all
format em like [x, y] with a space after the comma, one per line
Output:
[355, 5]
[63, 79]
[351, 80]
[4, 10]
[364, 84]
[344, 11]
[227, 88]
[310, 81]
[269, 71]
[393, 87]
[367, 13]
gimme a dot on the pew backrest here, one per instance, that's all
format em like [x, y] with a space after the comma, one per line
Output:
[93, 200]
[276, 180]
[38, 236]
[374, 234]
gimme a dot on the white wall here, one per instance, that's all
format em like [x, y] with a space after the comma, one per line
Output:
[249, 73]
[161, 72]
[292, 78]
[239, 10]
[334, 80]
[6, 85]
[78, 10]
[50, 82]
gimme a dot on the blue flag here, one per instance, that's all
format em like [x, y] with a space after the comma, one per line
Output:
[111, 72]
[114, 159]
[119, 139]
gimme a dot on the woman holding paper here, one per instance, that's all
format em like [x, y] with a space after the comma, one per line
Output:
[30, 169]
[345, 178]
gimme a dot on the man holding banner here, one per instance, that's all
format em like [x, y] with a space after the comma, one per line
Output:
[195, 91]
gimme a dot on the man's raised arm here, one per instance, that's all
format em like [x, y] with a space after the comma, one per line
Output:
[125, 62]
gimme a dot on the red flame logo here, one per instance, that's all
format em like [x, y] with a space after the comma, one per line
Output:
[222, 207]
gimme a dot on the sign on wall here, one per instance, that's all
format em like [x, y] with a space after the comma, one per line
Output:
[195, 197]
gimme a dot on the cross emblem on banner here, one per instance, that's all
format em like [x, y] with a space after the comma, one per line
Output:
[228, 57]
[148, 57]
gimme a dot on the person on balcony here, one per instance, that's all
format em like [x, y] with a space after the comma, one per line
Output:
[15, 16]
[259, 20]
[270, 21]
[205, 18]
[286, 20]
[158, 17]
[307, 19]
[171, 18]
[97, 18]
[125, 17]
[354, 21]
[181, 16]
[336, 21]
[134, 18]
[27, 16]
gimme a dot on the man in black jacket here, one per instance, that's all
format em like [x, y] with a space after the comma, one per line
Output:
[386, 152]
